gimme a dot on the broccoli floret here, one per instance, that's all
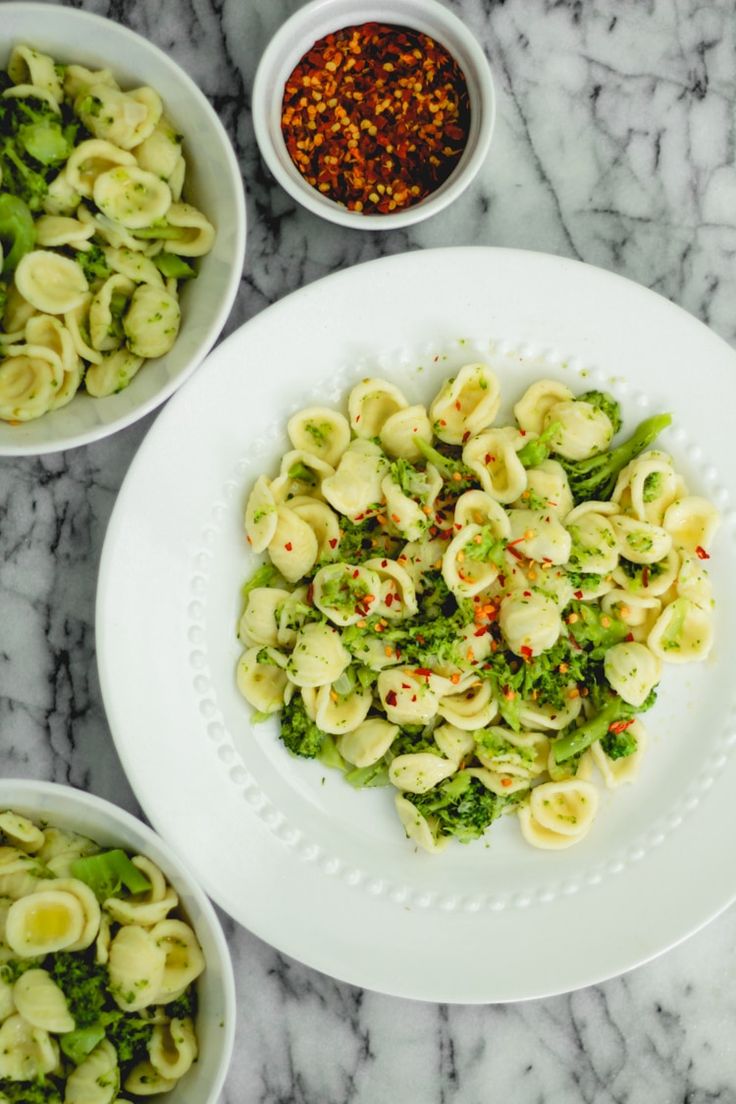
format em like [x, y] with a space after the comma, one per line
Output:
[652, 486]
[129, 1035]
[589, 626]
[184, 1006]
[601, 400]
[93, 263]
[596, 477]
[619, 744]
[537, 450]
[44, 1091]
[360, 541]
[83, 983]
[487, 547]
[264, 576]
[461, 806]
[300, 735]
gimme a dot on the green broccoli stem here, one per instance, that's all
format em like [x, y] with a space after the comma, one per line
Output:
[578, 739]
[537, 450]
[446, 466]
[17, 231]
[595, 477]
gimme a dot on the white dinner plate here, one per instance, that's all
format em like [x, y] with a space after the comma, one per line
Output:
[317, 869]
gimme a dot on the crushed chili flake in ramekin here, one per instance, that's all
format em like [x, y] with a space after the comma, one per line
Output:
[376, 117]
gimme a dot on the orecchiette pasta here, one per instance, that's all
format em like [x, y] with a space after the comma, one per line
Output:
[97, 185]
[98, 969]
[445, 610]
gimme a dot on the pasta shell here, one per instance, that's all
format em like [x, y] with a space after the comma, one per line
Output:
[29, 66]
[466, 404]
[400, 431]
[692, 522]
[173, 1048]
[419, 771]
[343, 715]
[368, 742]
[152, 321]
[131, 196]
[99, 318]
[617, 772]
[183, 958]
[91, 159]
[263, 685]
[112, 374]
[471, 709]
[455, 743]
[567, 808]
[356, 485]
[260, 621]
[260, 515]
[319, 656]
[160, 152]
[417, 827]
[196, 233]
[44, 921]
[136, 967]
[20, 831]
[293, 547]
[407, 698]
[492, 456]
[321, 431]
[639, 541]
[41, 1002]
[531, 622]
[145, 1080]
[26, 1053]
[51, 282]
[584, 430]
[97, 1079]
[371, 403]
[532, 408]
[682, 633]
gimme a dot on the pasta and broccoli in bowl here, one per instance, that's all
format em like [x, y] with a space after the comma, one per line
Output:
[115, 982]
[474, 614]
[115, 278]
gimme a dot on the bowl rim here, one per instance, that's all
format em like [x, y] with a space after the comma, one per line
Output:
[27, 792]
[238, 230]
[294, 37]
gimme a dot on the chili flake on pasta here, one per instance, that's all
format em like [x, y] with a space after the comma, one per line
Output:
[474, 614]
[95, 235]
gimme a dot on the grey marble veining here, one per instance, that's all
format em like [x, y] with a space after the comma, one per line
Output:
[614, 144]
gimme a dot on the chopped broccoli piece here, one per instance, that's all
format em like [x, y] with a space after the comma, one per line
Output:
[106, 872]
[537, 450]
[619, 745]
[173, 267]
[589, 625]
[184, 1006]
[17, 231]
[652, 486]
[43, 1091]
[448, 466]
[77, 1044]
[613, 712]
[264, 576]
[93, 263]
[489, 548]
[367, 777]
[84, 985]
[300, 735]
[129, 1034]
[461, 806]
[601, 400]
[596, 476]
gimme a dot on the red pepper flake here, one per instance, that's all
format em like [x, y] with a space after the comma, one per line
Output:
[332, 542]
[389, 600]
[645, 576]
[466, 435]
[481, 631]
[288, 546]
[629, 637]
[376, 116]
[310, 594]
[423, 671]
[527, 593]
[526, 651]
[391, 697]
[356, 573]
[578, 594]
[701, 553]
[514, 552]
[405, 686]
[413, 697]
[359, 517]
[384, 563]
[620, 726]
[506, 782]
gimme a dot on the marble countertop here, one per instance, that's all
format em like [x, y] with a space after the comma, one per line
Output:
[614, 144]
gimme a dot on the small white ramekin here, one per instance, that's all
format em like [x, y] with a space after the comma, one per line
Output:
[317, 19]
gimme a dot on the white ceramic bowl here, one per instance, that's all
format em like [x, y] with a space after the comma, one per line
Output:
[213, 184]
[319, 18]
[74, 810]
